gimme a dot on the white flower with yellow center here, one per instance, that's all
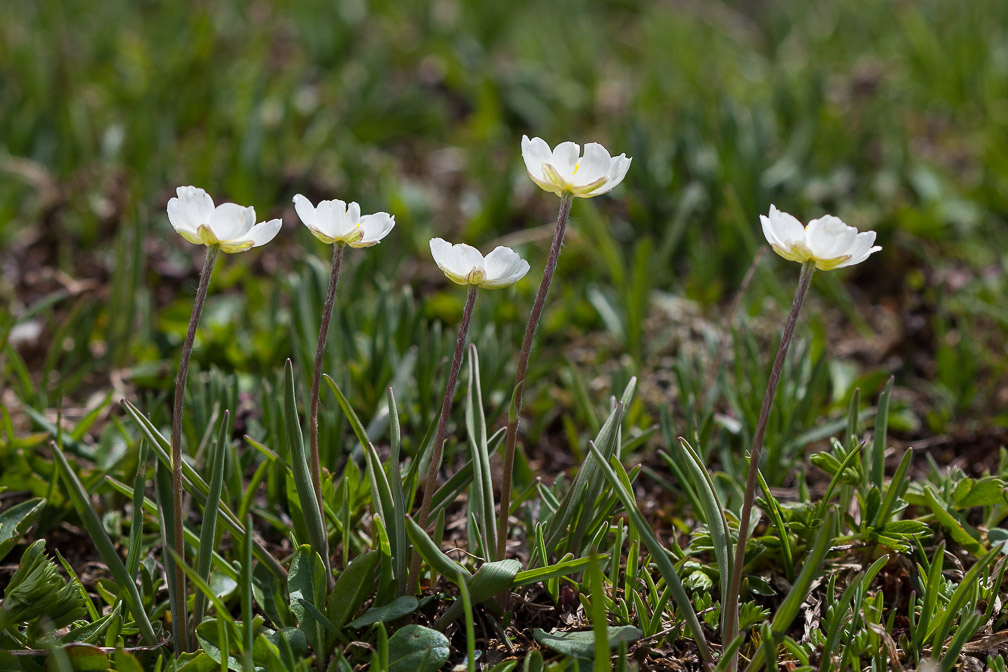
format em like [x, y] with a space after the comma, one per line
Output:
[233, 227]
[336, 222]
[465, 265]
[827, 241]
[565, 171]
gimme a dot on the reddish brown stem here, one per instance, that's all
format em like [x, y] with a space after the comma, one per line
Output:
[327, 309]
[732, 596]
[437, 451]
[180, 620]
[514, 414]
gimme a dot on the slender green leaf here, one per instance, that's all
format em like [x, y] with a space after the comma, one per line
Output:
[92, 523]
[208, 530]
[658, 553]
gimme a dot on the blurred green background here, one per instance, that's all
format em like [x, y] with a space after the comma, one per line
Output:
[892, 115]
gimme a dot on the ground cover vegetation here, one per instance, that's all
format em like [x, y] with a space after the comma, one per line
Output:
[141, 533]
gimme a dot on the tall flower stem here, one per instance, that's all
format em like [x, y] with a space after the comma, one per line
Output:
[442, 428]
[327, 309]
[732, 597]
[514, 415]
[179, 620]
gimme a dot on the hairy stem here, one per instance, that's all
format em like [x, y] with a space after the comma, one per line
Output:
[327, 309]
[442, 429]
[514, 414]
[179, 620]
[732, 598]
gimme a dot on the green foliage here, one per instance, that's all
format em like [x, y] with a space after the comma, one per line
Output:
[37, 599]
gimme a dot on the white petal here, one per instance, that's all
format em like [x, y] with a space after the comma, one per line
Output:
[465, 257]
[191, 208]
[231, 221]
[829, 237]
[504, 268]
[330, 218]
[306, 211]
[617, 171]
[456, 261]
[594, 165]
[785, 227]
[535, 152]
[264, 232]
[501, 263]
[861, 249]
[375, 227]
[565, 158]
[353, 214]
[769, 233]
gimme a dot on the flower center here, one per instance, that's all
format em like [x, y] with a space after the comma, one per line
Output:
[476, 276]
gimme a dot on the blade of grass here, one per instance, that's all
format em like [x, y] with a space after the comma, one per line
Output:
[879, 441]
[789, 608]
[661, 558]
[136, 525]
[246, 589]
[479, 454]
[774, 509]
[166, 510]
[717, 523]
[92, 523]
[198, 487]
[208, 530]
[302, 474]
[598, 616]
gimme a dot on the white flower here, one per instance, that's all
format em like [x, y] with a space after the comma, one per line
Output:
[229, 225]
[464, 265]
[336, 222]
[827, 241]
[564, 170]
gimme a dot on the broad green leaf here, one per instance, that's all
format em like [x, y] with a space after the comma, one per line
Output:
[86, 658]
[306, 583]
[581, 644]
[986, 491]
[415, 648]
[386, 613]
[430, 553]
[951, 525]
[492, 578]
[15, 522]
[352, 587]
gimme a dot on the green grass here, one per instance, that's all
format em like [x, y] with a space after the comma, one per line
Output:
[891, 116]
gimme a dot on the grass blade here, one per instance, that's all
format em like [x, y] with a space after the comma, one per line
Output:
[713, 511]
[208, 530]
[302, 475]
[92, 523]
[658, 553]
[476, 429]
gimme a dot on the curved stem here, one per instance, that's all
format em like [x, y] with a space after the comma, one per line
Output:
[514, 414]
[732, 597]
[179, 620]
[442, 428]
[327, 309]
